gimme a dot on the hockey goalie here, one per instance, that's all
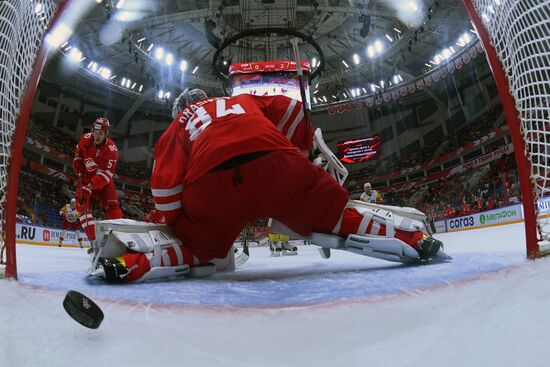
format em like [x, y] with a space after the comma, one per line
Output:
[213, 173]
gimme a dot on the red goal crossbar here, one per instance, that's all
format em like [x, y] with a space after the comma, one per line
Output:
[485, 10]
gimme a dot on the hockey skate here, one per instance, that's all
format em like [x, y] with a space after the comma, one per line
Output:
[288, 249]
[276, 249]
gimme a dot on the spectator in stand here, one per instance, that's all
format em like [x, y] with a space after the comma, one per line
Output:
[490, 203]
[449, 212]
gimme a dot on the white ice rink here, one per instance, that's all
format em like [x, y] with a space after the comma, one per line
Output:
[489, 307]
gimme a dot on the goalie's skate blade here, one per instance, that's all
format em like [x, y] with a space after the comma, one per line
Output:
[325, 252]
[389, 249]
[440, 257]
[83, 310]
[202, 270]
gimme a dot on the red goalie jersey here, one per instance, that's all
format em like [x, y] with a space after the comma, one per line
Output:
[96, 165]
[213, 130]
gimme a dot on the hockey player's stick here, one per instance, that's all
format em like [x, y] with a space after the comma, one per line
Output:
[85, 216]
[300, 75]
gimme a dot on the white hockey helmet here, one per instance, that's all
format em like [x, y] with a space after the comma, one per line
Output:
[187, 97]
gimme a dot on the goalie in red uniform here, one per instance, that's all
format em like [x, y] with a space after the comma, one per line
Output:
[94, 163]
[213, 173]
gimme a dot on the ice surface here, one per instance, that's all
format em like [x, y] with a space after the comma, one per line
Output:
[487, 307]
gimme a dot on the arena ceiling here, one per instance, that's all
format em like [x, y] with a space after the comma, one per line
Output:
[154, 49]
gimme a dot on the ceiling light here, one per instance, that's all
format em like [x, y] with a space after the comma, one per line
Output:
[183, 65]
[370, 51]
[75, 55]
[105, 73]
[356, 59]
[345, 63]
[411, 6]
[169, 59]
[389, 38]
[58, 35]
[150, 47]
[159, 53]
[378, 46]
[195, 69]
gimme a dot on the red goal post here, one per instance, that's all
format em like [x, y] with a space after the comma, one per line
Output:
[516, 37]
[23, 25]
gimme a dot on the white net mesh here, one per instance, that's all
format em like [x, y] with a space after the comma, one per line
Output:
[22, 26]
[520, 33]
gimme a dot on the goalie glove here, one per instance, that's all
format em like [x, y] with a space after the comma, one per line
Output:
[154, 216]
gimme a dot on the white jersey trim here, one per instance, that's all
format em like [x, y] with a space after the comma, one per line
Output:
[162, 193]
[287, 115]
[170, 206]
[295, 123]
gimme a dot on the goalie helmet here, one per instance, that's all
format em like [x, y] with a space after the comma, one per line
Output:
[101, 124]
[186, 98]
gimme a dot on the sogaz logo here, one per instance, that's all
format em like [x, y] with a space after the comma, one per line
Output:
[461, 222]
[482, 218]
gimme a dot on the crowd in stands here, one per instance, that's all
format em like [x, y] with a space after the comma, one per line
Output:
[48, 135]
[457, 195]
[39, 198]
[480, 127]
[133, 170]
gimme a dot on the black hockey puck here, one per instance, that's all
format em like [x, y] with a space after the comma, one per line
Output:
[83, 310]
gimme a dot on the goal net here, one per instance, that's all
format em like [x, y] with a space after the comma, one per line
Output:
[516, 37]
[23, 24]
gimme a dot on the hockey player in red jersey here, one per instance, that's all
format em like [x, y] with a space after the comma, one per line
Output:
[94, 163]
[213, 173]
